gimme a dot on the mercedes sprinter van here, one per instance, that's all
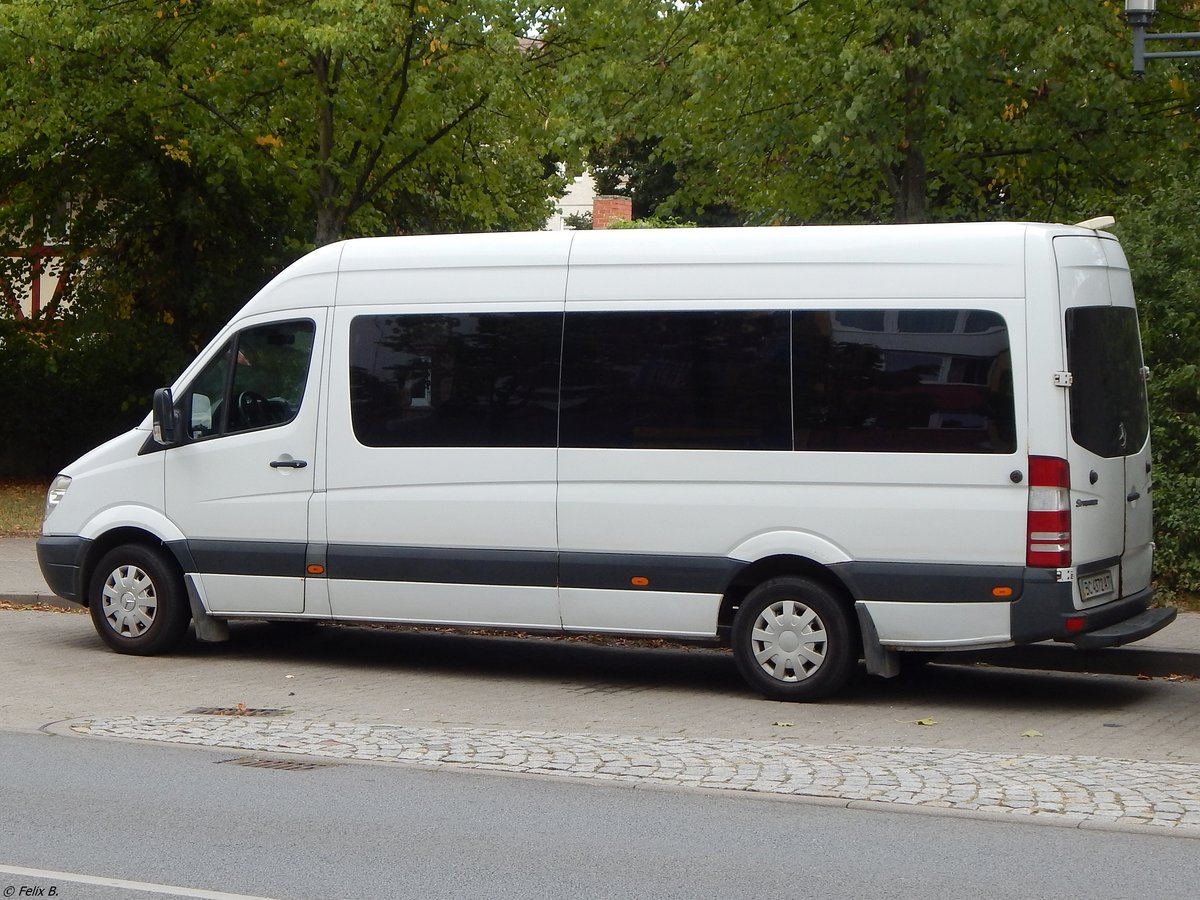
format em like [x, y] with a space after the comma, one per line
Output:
[817, 445]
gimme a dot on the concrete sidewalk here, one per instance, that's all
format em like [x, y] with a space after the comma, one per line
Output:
[20, 578]
[1173, 651]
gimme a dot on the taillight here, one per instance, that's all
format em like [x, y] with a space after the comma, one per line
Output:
[1048, 526]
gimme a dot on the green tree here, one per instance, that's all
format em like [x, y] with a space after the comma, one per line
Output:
[1159, 232]
[366, 115]
[180, 152]
[850, 110]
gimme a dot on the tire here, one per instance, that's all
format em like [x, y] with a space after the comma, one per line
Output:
[794, 640]
[137, 601]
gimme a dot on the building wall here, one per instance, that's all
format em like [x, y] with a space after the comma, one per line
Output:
[577, 199]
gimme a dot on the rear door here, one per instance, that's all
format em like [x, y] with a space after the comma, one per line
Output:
[1108, 439]
[1136, 562]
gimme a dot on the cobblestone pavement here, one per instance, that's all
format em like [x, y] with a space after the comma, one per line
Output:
[1077, 791]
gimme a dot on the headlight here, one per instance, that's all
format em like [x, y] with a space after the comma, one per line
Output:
[58, 487]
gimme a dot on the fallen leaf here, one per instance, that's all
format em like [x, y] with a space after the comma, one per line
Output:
[1031, 733]
[925, 722]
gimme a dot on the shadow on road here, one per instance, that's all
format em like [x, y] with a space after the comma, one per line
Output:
[582, 666]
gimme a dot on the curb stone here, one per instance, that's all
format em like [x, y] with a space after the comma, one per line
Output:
[1084, 792]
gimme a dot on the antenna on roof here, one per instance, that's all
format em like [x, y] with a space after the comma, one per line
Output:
[1099, 223]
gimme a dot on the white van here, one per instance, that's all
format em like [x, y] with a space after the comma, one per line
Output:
[815, 444]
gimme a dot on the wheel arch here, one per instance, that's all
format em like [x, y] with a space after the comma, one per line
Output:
[761, 570]
[117, 537]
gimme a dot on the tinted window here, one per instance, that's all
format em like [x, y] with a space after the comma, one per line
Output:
[488, 380]
[1108, 396]
[936, 381]
[680, 380]
[269, 366]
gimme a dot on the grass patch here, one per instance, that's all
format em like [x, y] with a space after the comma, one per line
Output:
[22, 501]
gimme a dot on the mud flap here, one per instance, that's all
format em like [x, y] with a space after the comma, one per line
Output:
[880, 660]
[208, 629]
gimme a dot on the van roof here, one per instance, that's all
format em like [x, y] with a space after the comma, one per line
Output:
[749, 244]
[991, 247]
[838, 243]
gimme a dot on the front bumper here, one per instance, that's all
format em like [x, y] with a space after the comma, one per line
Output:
[61, 561]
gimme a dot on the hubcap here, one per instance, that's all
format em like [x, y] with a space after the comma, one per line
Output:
[129, 601]
[789, 641]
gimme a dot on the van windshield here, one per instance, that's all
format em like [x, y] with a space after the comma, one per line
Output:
[1108, 395]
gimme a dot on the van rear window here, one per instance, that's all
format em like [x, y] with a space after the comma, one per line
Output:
[916, 381]
[1108, 395]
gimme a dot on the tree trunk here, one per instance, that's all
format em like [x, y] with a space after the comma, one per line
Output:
[908, 180]
[912, 202]
[330, 220]
[330, 217]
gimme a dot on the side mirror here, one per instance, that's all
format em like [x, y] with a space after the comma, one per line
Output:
[166, 430]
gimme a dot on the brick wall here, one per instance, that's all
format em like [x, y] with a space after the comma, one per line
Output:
[611, 209]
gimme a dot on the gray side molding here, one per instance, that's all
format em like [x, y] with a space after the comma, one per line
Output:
[208, 629]
[880, 660]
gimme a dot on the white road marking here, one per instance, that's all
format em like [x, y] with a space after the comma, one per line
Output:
[144, 887]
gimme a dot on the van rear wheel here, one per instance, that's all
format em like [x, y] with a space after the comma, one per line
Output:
[137, 601]
[793, 640]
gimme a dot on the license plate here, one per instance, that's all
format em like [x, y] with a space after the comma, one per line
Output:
[1095, 585]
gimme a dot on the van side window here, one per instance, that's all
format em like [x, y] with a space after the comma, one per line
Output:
[676, 380]
[256, 381]
[1108, 398]
[919, 381]
[204, 399]
[467, 380]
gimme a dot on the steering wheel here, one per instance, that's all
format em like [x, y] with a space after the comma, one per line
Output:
[252, 408]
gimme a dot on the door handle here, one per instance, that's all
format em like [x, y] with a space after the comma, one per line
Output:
[1134, 495]
[288, 463]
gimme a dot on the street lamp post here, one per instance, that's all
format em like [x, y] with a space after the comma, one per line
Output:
[1140, 15]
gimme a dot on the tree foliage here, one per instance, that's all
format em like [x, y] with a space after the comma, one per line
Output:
[851, 110]
[366, 116]
[1159, 232]
[178, 152]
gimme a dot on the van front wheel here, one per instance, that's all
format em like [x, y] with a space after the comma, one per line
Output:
[793, 639]
[136, 600]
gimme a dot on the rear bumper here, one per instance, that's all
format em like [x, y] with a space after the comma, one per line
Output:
[956, 607]
[1045, 612]
[1127, 631]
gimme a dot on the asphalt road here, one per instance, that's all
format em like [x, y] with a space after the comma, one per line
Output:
[163, 816]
